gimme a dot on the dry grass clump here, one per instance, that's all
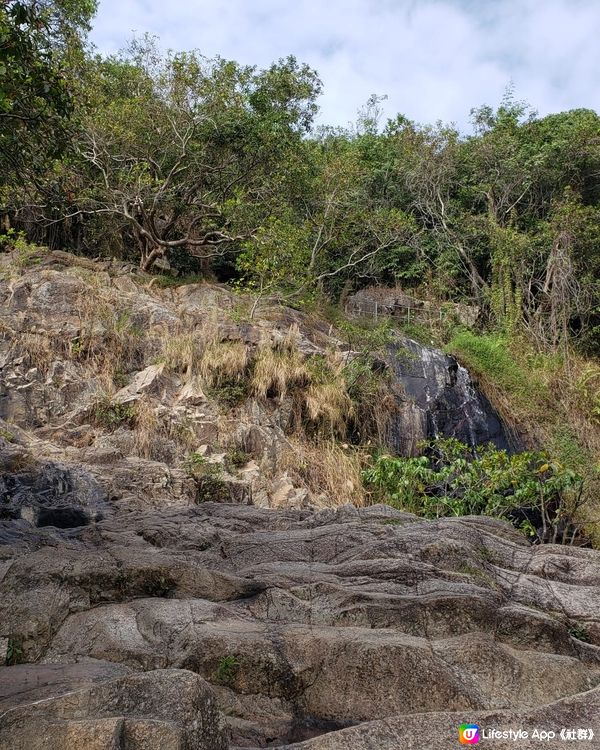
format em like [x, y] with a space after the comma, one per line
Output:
[37, 349]
[109, 341]
[326, 403]
[223, 362]
[317, 385]
[375, 400]
[148, 437]
[331, 472]
[181, 353]
[278, 369]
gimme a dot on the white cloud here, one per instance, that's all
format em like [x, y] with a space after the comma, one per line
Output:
[435, 59]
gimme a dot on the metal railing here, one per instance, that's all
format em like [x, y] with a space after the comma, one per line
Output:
[407, 313]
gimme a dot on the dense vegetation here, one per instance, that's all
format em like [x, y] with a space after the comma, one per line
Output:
[530, 489]
[204, 167]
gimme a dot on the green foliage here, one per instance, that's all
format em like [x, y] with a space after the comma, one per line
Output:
[579, 631]
[37, 39]
[276, 258]
[493, 356]
[27, 254]
[211, 487]
[14, 652]
[452, 479]
[6, 435]
[227, 668]
[588, 387]
[236, 457]
[194, 461]
[112, 414]
[202, 138]
[367, 335]
[230, 393]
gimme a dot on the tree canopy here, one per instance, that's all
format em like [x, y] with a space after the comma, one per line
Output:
[178, 161]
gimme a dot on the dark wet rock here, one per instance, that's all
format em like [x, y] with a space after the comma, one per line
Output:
[46, 493]
[439, 399]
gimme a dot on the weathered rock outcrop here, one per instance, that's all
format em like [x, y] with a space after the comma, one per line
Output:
[164, 709]
[306, 622]
[439, 731]
[137, 612]
[439, 399]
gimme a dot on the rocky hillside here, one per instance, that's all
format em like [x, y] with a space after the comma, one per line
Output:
[185, 562]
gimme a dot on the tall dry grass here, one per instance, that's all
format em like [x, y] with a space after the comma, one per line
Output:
[332, 472]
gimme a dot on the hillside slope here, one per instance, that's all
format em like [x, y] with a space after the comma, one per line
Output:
[173, 572]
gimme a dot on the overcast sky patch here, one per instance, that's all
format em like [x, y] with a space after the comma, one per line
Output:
[434, 59]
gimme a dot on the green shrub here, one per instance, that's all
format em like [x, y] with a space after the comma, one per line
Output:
[236, 457]
[209, 479]
[27, 254]
[230, 393]
[226, 669]
[450, 478]
[112, 414]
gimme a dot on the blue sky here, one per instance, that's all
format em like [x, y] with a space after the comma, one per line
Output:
[434, 59]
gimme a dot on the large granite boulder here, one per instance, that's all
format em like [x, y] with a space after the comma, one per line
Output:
[165, 709]
[306, 623]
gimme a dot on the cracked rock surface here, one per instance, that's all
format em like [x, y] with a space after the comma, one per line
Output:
[333, 629]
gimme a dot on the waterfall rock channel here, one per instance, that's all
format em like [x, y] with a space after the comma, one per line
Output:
[438, 398]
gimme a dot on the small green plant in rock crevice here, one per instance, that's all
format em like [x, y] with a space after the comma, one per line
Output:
[194, 462]
[14, 653]
[211, 487]
[236, 458]
[227, 668]
[112, 414]
[7, 435]
[580, 632]
[27, 254]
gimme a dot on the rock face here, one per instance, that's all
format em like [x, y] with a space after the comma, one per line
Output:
[439, 731]
[167, 709]
[440, 400]
[306, 624]
[169, 584]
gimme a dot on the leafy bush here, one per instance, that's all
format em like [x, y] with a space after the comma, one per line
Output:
[537, 494]
[111, 414]
[211, 487]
